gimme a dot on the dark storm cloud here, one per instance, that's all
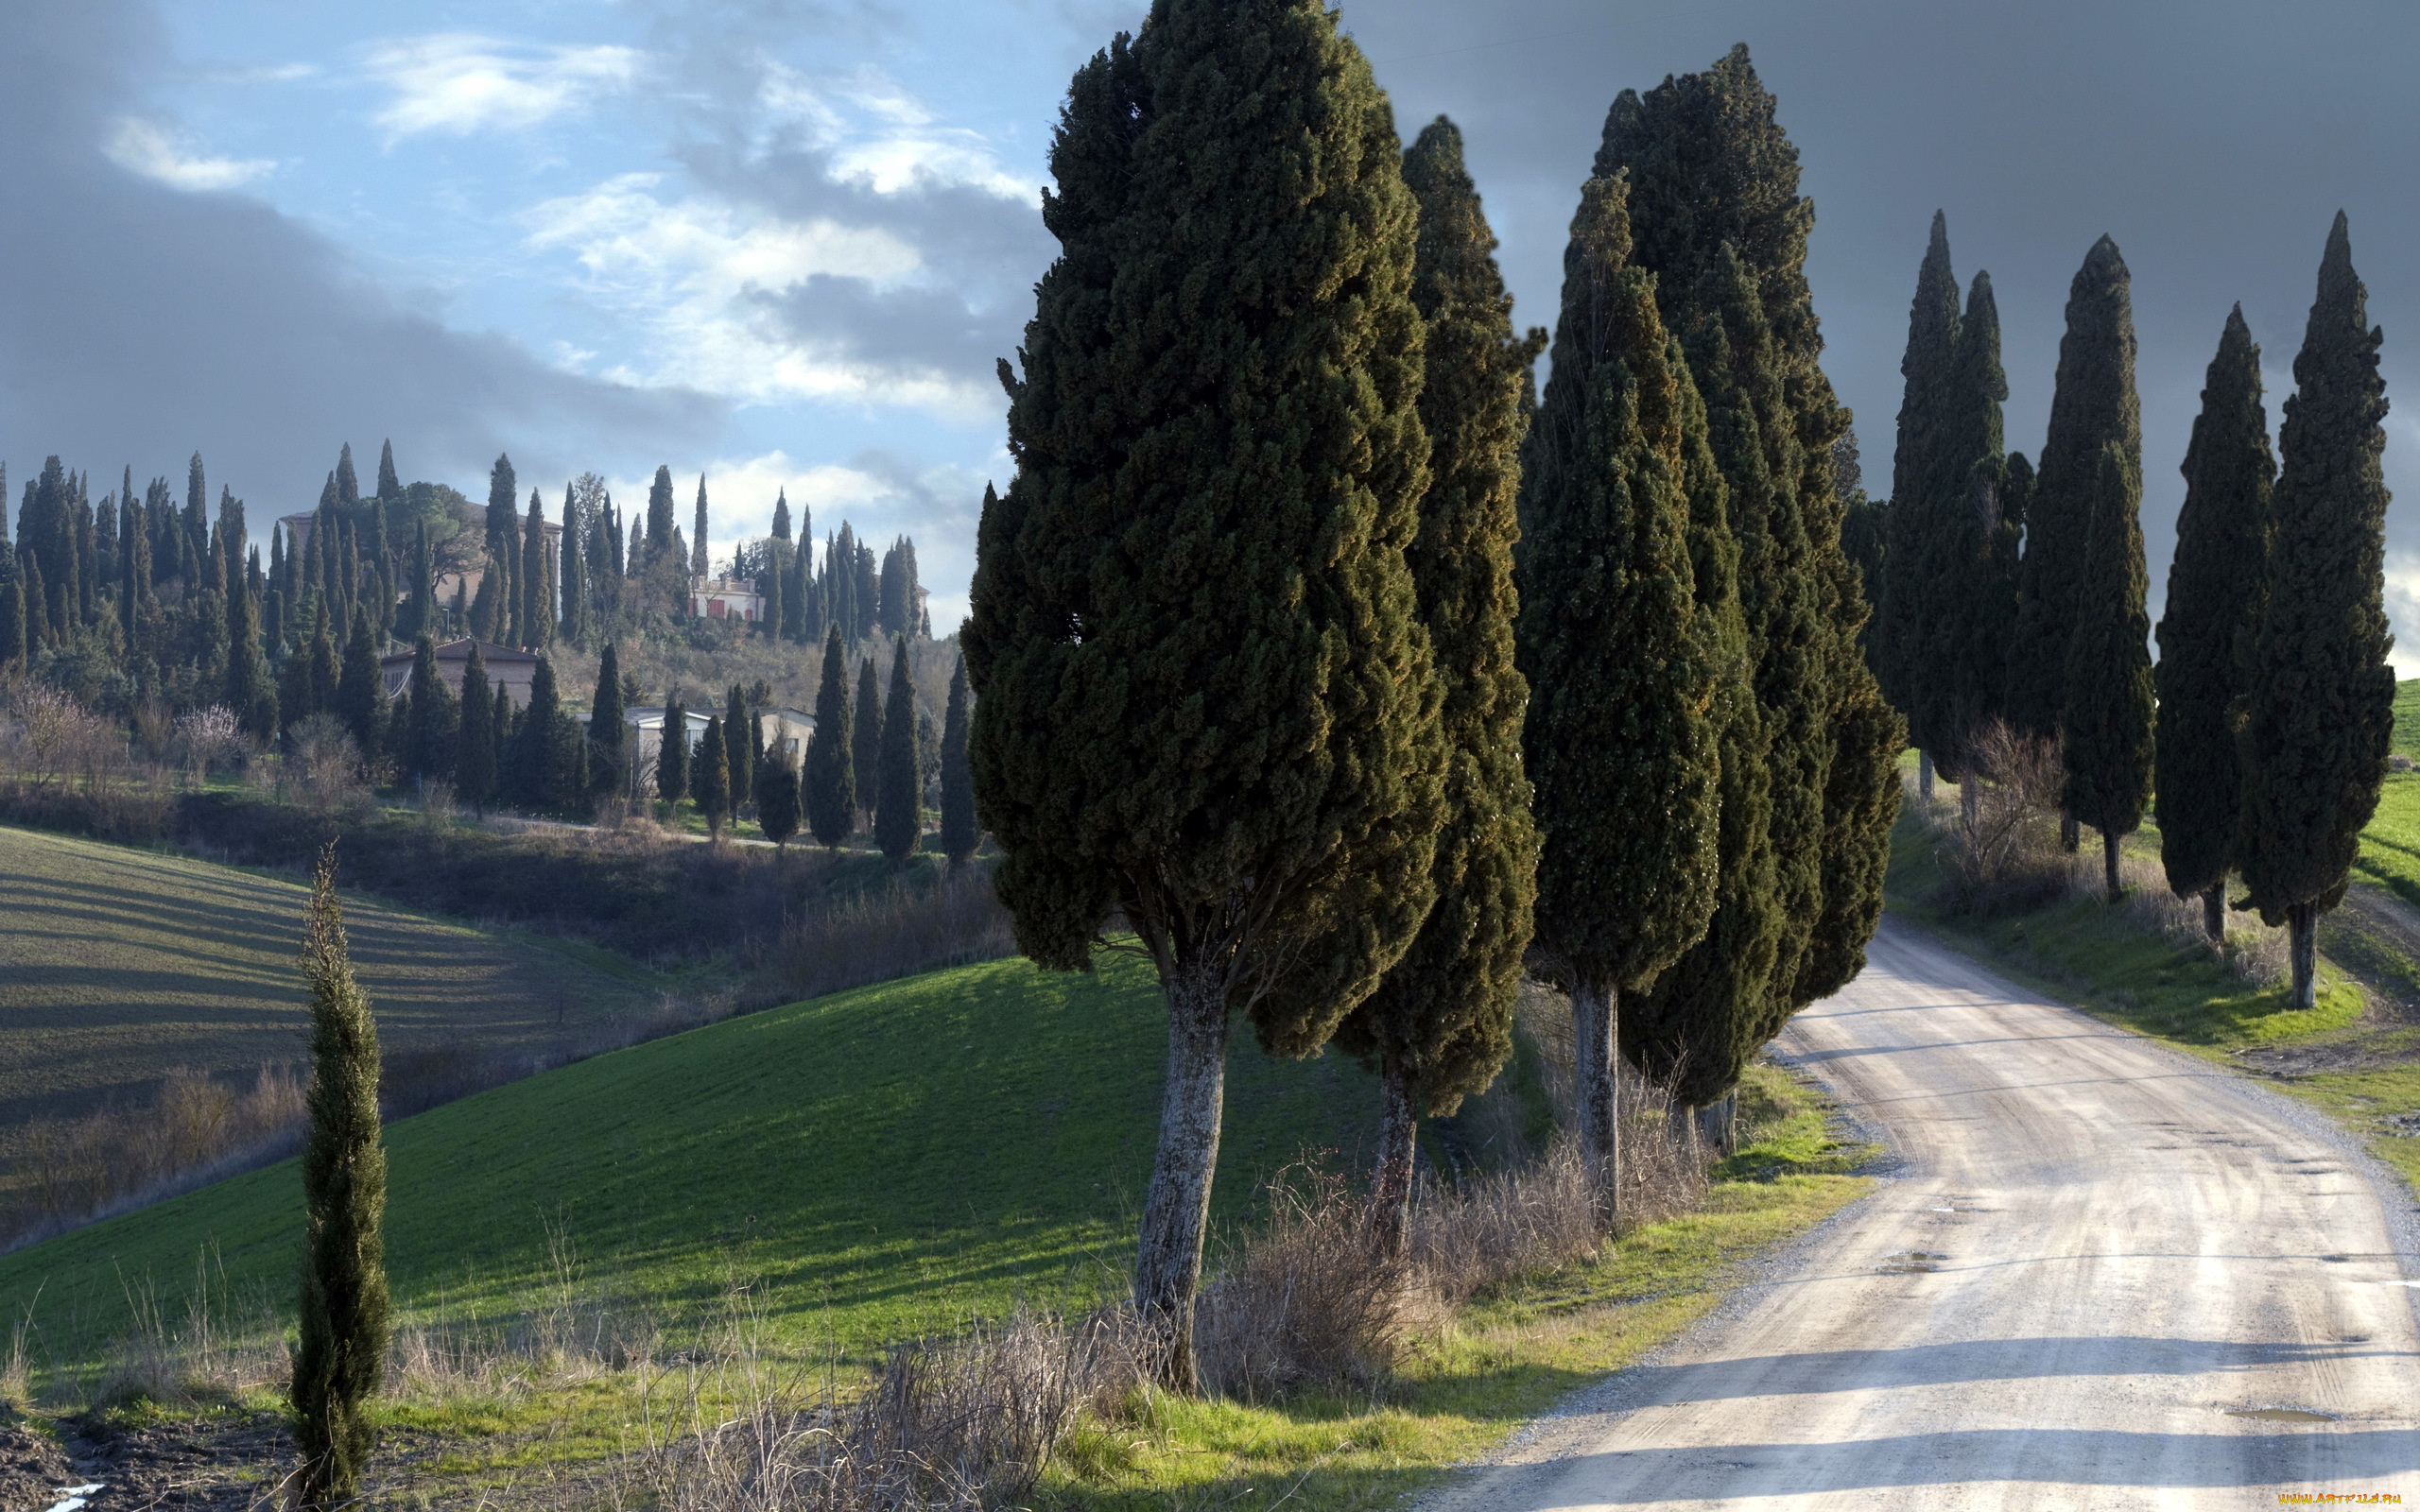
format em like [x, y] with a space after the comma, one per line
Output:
[139, 322]
[2213, 140]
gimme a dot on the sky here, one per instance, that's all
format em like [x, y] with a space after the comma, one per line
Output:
[782, 244]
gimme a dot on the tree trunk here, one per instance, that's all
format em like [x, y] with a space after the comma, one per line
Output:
[2071, 834]
[1970, 801]
[1390, 1186]
[1593, 1021]
[2109, 862]
[1719, 1126]
[2302, 924]
[2214, 911]
[1176, 1211]
[1923, 777]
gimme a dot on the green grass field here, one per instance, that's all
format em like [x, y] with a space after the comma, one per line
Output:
[118, 965]
[880, 1163]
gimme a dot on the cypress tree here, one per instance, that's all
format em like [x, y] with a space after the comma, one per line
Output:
[771, 581]
[2106, 720]
[540, 780]
[1902, 628]
[672, 777]
[700, 563]
[36, 595]
[2213, 602]
[2322, 693]
[839, 568]
[252, 691]
[421, 620]
[12, 621]
[1219, 466]
[781, 515]
[1440, 1024]
[429, 747]
[829, 783]
[605, 716]
[866, 757]
[868, 591]
[567, 564]
[777, 798]
[501, 726]
[899, 807]
[711, 779]
[1618, 656]
[2093, 406]
[960, 835]
[343, 1322]
[1710, 166]
[737, 762]
[390, 485]
[361, 689]
[475, 758]
[538, 587]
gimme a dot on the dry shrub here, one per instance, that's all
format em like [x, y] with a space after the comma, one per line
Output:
[47, 737]
[206, 739]
[1536, 1218]
[954, 921]
[957, 1425]
[1311, 1300]
[322, 770]
[2004, 850]
[2255, 953]
[195, 1129]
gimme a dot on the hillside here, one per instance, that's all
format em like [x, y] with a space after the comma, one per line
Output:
[879, 1162]
[117, 964]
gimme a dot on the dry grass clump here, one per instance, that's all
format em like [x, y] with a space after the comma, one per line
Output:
[962, 1424]
[2256, 955]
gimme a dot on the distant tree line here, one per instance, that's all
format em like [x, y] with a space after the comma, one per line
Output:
[2016, 595]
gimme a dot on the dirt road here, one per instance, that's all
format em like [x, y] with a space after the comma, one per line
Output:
[2094, 1256]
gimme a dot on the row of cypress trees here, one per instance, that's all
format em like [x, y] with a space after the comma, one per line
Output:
[864, 762]
[1262, 676]
[2017, 597]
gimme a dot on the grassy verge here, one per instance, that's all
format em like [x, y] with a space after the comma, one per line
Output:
[1507, 1358]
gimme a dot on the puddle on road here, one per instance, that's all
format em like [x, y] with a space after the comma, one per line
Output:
[1911, 1262]
[2282, 1414]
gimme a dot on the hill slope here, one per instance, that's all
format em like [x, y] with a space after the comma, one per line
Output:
[118, 965]
[880, 1161]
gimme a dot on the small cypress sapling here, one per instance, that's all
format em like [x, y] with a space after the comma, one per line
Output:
[711, 781]
[899, 810]
[672, 756]
[475, 753]
[960, 835]
[829, 783]
[2322, 692]
[865, 755]
[343, 1314]
[2213, 602]
[2107, 715]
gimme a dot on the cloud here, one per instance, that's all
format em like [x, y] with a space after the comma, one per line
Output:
[152, 151]
[460, 82]
[140, 322]
[832, 242]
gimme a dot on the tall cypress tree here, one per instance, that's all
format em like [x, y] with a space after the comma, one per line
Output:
[361, 689]
[830, 780]
[1618, 656]
[1901, 627]
[1219, 466]
[899, 800]
[737, 764]
[474, 756]
[960, 835]
[1710, 167]
[672, 756]
[2093, 406]
[391, 484]
[2321, 706]
[711, 780]
[539, 779]
[2107, 716]
[867, 756]
[430, 746]
[341, 1353]
[536, 587]
[777, 798]
[1439, 1025]
[568, 562]
[423, 618]
[700, 563]
[605, 716]
[2213, 602]
[252, 690]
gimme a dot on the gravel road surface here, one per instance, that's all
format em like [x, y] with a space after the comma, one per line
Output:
[2102, 1275]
